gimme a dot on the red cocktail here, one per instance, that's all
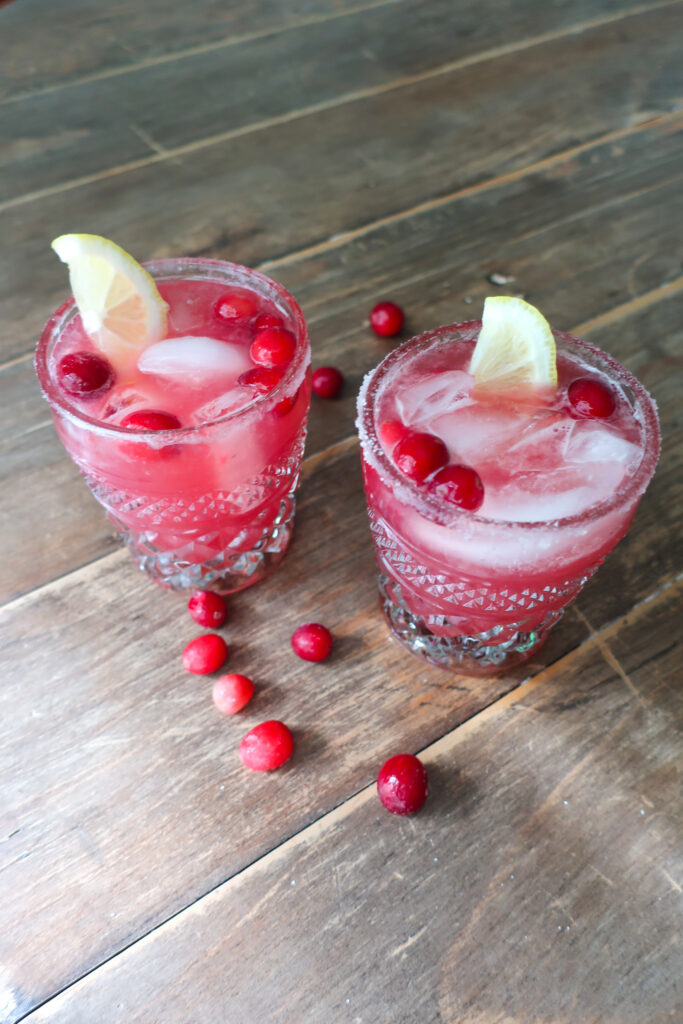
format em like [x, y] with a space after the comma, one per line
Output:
[194, 445]
[473, 578]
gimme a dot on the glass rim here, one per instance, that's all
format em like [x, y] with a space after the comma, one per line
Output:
[169, 268]
[446, 514]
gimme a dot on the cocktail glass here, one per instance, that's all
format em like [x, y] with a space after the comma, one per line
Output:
[473, 594]
[209, 505]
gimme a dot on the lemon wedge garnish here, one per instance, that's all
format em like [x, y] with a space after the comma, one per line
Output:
[120, 306]
[515, 349]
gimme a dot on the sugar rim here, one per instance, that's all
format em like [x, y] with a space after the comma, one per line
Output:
[446, 514]
[170, 268]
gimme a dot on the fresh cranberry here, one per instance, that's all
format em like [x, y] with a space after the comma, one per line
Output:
[312, 642]
[85, 373]
[232, 692]
[402, 784]
[232, 306]
[150, 419]
[268, 320]
[327, 382]
[207, 609]
[390, 433]
[419, 455]
[273, 346]
[261, 378]
[205, 654]
[387, 319]
[267, 746]
[286, 404]
[460, 485]
[591, 399]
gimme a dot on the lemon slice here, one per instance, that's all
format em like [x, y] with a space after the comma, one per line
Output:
[118, 300]
[515, 349]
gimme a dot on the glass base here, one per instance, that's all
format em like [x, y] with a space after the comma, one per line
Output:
[207, 562]
[497, 650]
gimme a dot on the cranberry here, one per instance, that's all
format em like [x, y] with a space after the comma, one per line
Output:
[460, 485]
[390, 433]
[236, 305]
[85, 373]
[268, 320]
[402, 784]
[419, 455]
[327, 382]
[205, 654]
[273, 346]
[312, 642]
[150, 419]
[387, 319]
[261, 378]
[286, 404]
[267, 746]
[207, 609]
[232, 692]
[591, 398]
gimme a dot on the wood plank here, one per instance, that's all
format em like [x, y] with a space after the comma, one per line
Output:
[82, 39]
[562, 231]
[68, 134]
[541, 883]
[235, 199]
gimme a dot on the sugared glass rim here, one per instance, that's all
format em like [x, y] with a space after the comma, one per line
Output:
[445, 513]
[176, 268]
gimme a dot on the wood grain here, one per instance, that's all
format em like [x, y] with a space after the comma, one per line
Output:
[626, 67]
[542, 881]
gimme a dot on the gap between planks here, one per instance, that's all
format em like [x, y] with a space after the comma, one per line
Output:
[440, 747]
[339, 101]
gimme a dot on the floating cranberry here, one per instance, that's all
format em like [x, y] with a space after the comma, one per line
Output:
[312, 642]
[232, 692]
[205, 654]
[83, 374]
[273, 346]
[390, 433]
[387, 319]
[402, 784]
[460, 485]
[267, 746]
[207, 609]
[591, 399]
[268, 320]
[327, 382]
[150, 419]
[234, 306]
[286, 404]
[419, 455]
[261, 378]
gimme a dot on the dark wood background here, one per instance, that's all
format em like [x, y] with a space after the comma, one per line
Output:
[354, 151]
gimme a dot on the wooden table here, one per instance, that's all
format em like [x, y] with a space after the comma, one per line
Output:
[355, 150]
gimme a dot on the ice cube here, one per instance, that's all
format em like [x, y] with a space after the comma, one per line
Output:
[231, 400]
[596, 442]
[419, 403]
[198, 358]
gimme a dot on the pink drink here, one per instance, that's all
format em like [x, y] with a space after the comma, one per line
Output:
[209, 502]
[478, 591]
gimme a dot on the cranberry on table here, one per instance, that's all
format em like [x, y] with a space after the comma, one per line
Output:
[205, 654]
[402, 784]
[386, 319]
[312, 642]
[234, 306]
[261, 378]
[232, 692]
[327, 382]
[419, 455]
[207, 609]
[591, 398]
[273, 346]
[85, 373]
[150, 419]
[268, 320]
[391, 432]
[267, 746]
[460, 485]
